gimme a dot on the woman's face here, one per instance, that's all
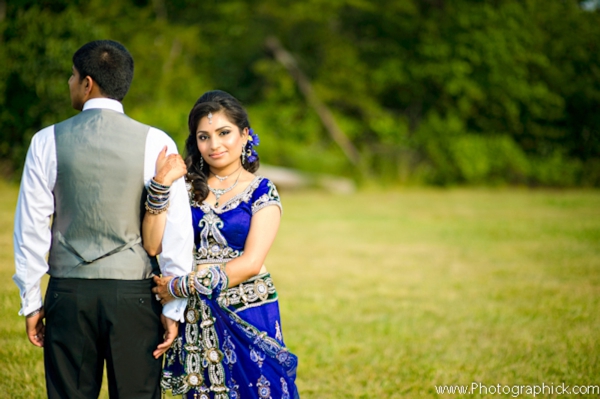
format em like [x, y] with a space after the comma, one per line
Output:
[220, 141]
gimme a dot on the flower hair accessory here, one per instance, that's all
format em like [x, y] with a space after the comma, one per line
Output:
[253, 141]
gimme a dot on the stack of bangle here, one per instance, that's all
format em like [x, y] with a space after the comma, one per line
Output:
[178, 287]
[158, 197]
[202, 281]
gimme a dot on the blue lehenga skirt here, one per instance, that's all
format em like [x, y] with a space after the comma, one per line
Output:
[231, 346]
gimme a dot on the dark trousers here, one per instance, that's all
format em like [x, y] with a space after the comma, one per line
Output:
[89, 322]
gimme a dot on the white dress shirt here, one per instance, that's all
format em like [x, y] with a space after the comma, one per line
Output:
[35, 206]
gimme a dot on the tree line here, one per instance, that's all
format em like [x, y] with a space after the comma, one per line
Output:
[424, 91]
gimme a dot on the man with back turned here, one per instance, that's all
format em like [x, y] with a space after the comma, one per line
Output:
[81, 203]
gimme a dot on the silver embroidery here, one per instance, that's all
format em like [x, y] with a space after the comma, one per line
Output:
[256, 291]
[278, 334]
[230, 359]
[232, 203]
[264, 388]
[202, 355]
[285, 393]
[213, 246]
[269, 198]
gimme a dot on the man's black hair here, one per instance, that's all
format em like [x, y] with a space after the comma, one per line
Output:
[109, 64]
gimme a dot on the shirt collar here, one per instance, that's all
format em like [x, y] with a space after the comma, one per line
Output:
[106, 103]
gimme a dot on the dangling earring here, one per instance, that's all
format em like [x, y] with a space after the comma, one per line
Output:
[243, 153]
[201, 162]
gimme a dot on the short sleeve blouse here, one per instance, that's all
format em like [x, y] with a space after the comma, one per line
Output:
[220, 233]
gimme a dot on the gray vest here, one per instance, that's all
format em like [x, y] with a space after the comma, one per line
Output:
[99, 196]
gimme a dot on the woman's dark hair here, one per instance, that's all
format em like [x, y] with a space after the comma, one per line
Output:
[212, 101]
[109, 64]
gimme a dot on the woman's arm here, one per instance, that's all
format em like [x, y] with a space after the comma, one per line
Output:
[263, 229]
[168, 169]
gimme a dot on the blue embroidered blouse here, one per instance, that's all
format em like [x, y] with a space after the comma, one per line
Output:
[220, 233]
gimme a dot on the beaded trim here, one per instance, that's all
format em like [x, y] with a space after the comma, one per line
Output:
[269, 198]
[213, 247]
[203, 354]
[232, 203]
[256, 291]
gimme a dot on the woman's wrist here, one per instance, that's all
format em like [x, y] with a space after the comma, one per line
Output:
[157, 200]
[162, 179]
[179, 287]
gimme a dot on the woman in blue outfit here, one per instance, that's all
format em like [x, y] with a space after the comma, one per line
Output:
[230, 345]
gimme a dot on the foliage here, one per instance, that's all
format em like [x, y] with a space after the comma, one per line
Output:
[437, 91]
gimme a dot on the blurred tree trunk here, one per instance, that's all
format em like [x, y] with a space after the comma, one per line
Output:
[2, 10]
[160, 9]
[288, 61]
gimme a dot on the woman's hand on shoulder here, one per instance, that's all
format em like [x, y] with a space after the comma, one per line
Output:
[169, 168]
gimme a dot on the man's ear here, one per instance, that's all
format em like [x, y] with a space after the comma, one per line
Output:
[89, 85]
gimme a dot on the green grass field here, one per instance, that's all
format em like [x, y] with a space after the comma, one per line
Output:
[388, 294]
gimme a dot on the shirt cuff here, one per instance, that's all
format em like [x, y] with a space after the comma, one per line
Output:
[174, 310]
[30, 306]
[34, 302]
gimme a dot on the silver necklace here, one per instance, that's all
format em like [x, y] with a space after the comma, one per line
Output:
[218, 192]
[221, 178]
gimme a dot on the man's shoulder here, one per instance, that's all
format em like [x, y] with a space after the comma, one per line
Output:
[135, 121]
[47, 134]
[43, 135]
[159, 137]
[155, 132]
